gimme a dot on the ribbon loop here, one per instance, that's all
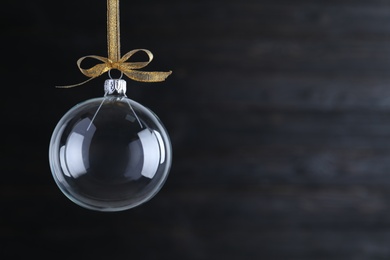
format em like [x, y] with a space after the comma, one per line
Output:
[130, 69]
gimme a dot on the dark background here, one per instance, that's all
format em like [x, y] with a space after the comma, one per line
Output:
[278, 111]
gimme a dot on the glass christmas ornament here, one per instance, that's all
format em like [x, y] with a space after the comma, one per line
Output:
[110, 153]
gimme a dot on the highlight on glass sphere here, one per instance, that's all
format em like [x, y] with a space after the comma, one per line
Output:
[110, 153]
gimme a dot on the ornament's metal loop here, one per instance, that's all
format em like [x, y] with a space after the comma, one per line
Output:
[109, 74]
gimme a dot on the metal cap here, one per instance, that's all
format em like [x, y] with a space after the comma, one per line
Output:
[115, 85]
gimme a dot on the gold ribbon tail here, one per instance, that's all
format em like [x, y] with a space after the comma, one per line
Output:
[147, 76]
[130, 68]
[92, 72]
[75, 85]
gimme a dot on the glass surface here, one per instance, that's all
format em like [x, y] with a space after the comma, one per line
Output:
[110, 154]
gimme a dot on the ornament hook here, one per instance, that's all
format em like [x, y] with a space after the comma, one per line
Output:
[109, 74]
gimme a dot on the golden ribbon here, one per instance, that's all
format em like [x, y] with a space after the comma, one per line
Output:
[130, 69]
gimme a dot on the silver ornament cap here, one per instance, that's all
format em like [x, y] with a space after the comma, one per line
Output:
[112, 86]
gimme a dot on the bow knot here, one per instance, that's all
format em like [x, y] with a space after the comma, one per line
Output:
[114, 65]
[130, 69]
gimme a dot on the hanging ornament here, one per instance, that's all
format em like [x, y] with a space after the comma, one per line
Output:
[111, 153]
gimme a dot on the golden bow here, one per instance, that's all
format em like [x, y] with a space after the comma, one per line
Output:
[114, 61]
[128, 68]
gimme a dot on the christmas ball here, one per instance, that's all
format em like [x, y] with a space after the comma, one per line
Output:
[110, 153]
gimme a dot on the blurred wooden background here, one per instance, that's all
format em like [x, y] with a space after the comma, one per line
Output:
[278, 111]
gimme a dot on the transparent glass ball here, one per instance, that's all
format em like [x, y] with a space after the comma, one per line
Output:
[110, 153]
